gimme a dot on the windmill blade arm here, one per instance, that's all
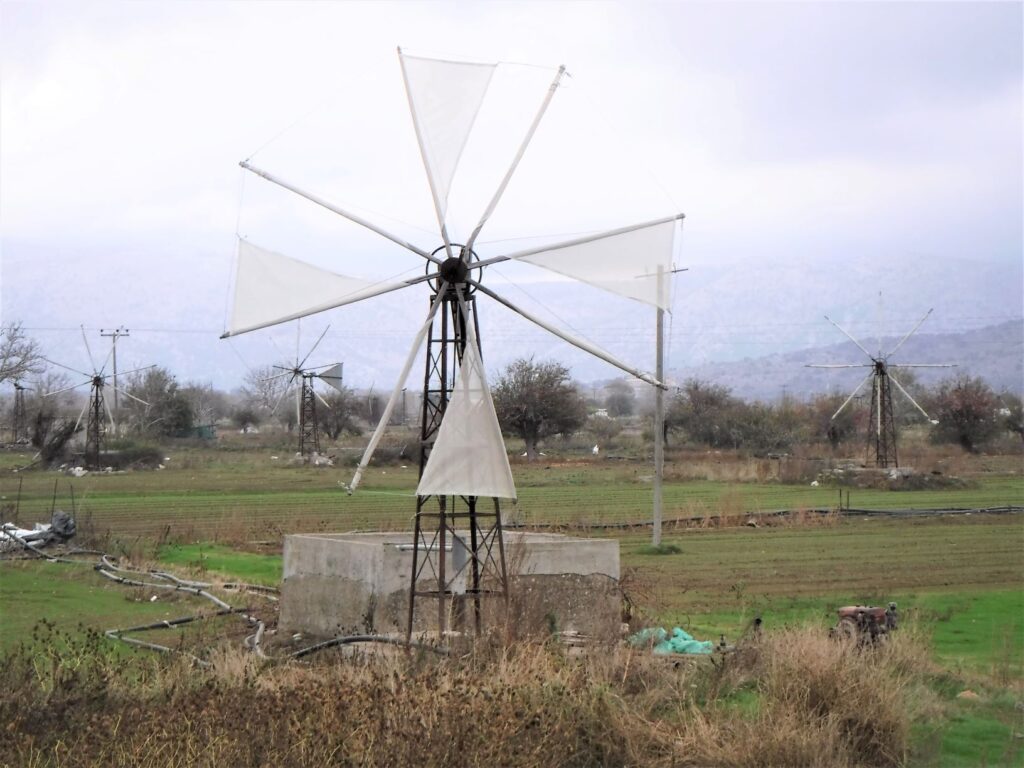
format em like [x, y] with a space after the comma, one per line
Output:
[924, 365]
[277, 375]
[911, 333]
[78, 422]
[350, 299]
[847, 335]
[576, 241]
[129, 394]
[907, 395]
[110, 414]
[853, 394]
[67, 368]
[313, 348]
[321, 399]
[397, 391]
[340, 211]
[287, 390]
[838, 365]
[88, 349]
[586, 346]
[66, 389]
[515, 161]
[136, 370]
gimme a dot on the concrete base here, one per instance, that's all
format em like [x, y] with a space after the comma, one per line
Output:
[349, 583]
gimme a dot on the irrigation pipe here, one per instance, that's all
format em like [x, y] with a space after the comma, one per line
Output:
[109, 569]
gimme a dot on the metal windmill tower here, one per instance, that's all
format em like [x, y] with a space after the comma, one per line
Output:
[96, 411]
[19, 416]
[463, 465]
[306, 395]
[881, 438]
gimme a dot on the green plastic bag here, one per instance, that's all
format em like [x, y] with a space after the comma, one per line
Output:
[663, 643]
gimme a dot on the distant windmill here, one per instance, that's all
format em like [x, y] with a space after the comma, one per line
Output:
[881, 450]
[19, 419]
[95, 425]
[306, 396]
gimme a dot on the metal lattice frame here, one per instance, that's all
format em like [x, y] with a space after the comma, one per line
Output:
[882, 426]
[19, 416]
[309, 429]
[95, 426]
[442, 522]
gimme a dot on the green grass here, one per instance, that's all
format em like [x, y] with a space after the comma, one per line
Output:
[72, 596]
[211, 560]
[207, 494]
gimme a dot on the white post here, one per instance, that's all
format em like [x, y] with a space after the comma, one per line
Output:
[659, 417]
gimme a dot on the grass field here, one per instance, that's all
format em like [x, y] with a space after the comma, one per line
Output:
[957, 579]
[205, 494]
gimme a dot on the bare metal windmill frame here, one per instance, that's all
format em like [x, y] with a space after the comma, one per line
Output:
[19, 415]
[462, 524]
[96, 407]
[881, 434]
[306, 394]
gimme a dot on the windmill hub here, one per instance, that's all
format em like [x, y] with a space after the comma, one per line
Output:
[455, 270]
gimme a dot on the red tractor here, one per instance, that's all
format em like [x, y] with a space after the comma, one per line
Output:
[865, 624]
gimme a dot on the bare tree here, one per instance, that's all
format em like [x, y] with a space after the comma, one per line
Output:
[19, 355]
[209, 405]
[266, 391]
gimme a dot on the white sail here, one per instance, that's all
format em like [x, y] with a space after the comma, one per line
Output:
[271, 288]
[445, 98]
[635, 262]
[468, 457]
[332, 376]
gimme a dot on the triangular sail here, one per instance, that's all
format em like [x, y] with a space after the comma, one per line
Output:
[332, 376]
[636, 263]
[468, 457]
[445, 97]
[271, 288]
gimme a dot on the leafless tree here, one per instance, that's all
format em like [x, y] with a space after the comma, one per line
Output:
[19, 355]
[266, 391]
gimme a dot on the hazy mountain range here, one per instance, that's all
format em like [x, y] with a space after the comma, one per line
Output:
[751, 324]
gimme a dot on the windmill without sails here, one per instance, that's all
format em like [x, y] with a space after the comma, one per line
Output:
[881, 441]
[96, 408]
[306, 396]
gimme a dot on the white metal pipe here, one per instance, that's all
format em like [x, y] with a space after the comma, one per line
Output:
[340, 211]
[399, 384]
[586, 346]
[577, 241]
[350, 299]
[515, 161]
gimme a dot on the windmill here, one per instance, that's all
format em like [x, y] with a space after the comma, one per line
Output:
[19, 418]
[881, 441]
[306, 396]
[462, 458]
[96, 411]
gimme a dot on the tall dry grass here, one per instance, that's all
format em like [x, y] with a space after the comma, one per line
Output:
[810, 701]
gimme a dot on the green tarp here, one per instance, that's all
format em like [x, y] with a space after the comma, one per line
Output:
[662, 642]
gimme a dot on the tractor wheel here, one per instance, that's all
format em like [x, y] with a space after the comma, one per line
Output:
[847, 630]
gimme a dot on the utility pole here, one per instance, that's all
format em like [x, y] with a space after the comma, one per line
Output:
[113, 336]
[659, 417]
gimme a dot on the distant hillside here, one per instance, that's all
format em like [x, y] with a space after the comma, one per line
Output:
[995, 353]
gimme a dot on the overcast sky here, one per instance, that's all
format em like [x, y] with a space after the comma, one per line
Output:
[797, 138]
